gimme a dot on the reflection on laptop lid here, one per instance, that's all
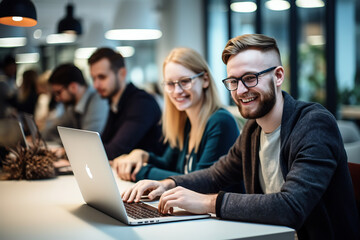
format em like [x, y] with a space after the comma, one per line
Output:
[11, 133]
[97, 184]
[28, 120]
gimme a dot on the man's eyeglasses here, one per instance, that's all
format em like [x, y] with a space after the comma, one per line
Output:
[249, 80]
[58, 92]
[184, 83]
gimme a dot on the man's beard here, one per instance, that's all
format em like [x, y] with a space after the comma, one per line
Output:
[115, 90]
[265, 106]
[72, 100]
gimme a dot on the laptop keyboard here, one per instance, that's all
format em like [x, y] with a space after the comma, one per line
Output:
[141, 210]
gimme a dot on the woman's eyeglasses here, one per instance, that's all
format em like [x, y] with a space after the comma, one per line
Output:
[184, 83]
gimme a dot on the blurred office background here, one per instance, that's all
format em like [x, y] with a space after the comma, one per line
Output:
[319, 40]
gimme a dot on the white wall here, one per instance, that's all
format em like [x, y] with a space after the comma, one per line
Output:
[182, 25]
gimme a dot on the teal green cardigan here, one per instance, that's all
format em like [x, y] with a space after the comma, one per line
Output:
[219, 135]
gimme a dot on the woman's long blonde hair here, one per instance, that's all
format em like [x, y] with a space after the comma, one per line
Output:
[174, 120]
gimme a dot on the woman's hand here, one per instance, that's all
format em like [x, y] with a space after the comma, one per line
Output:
[128, 165]
[150, 187]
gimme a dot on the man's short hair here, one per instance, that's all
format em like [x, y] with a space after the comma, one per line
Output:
[66, 74]
[116, 59]
[249, 41]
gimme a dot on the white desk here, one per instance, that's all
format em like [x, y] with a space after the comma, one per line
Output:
[54, 209]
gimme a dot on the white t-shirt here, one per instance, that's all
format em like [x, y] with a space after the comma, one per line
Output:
[271, 178]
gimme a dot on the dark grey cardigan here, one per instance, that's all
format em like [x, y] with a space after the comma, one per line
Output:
[317, 198]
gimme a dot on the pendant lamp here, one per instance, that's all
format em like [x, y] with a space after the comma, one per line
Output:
[11, 36]
[69, 24]
[19, 13]
[135, 20]
[243, 6]
[277, 5]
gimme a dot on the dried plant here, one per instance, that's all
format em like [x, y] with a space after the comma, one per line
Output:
[31, 163]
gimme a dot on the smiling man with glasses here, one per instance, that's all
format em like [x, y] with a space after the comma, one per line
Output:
[290, 155]
[249, 80]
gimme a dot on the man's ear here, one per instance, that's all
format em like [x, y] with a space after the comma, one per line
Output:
[206, 81]
[279, 76]
[73, 87]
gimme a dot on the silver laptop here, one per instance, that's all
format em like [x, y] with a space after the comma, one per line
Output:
[12, 133]
[98, 186]
[28, 120]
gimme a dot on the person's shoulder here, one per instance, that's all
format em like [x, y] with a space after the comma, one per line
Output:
[221, 119]
[311, 117]
[137, 92]
[91, 96]
[300, 110]
[140, 101]
[138, 95]
[314, 110]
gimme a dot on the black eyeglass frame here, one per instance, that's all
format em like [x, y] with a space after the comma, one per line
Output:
[247, 74]
[178, 82]
[59, 91]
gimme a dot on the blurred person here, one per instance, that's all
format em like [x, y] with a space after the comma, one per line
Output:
[27, 95]
[197, 128]
[134, 116]
[8, 91]
[84, 108]
[8, 88]
[47, 109]
[290, 155]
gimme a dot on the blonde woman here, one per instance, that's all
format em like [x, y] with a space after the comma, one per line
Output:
[196, 127]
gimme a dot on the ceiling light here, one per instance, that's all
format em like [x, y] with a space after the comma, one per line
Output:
[277, 5]
[85, 53]
[60, 38]
[28, 53]
[12, 42]
[11, 36]
[315, 40]
[19, 13]
[310, 3]
[135, 23]
[69, 24]
[126, 51]
[27, 57]
[243, 7]
[133, 34]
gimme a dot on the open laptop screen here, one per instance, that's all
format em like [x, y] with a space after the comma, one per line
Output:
[11, 133]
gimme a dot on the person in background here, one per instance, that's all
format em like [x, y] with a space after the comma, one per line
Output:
[8, 88]
[134, 116]
[195, 125]
[8, 91]
[47, 109]
[84, 107]
[27, 95]
[290, 155]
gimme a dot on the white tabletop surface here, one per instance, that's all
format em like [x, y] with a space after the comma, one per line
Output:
[54, 209]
